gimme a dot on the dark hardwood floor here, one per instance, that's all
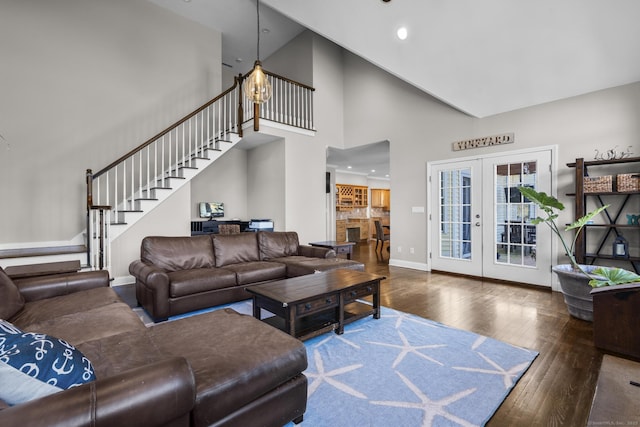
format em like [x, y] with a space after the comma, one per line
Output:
[558, 388]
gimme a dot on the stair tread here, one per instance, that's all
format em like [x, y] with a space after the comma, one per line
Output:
[134, 210]
[161, 188]
[143, 198]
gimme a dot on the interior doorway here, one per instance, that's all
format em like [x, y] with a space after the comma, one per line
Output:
[367, 168]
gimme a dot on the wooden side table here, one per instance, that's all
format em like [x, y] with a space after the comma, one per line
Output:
[339, 247]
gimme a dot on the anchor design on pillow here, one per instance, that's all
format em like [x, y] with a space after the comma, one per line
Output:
[60, 370]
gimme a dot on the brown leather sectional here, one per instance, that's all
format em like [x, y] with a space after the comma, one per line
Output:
[175, 275]
[215, 369]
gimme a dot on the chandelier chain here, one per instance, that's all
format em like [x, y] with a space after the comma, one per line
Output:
[258, 13]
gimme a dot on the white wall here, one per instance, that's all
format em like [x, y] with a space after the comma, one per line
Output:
[328, 79]
[420, 129]
[286, 183]
[379, 183]
[170, 218]
[83, 82]
[224, 181]
[305, 187]
[294, 60]
[265, 183]
[351, 179]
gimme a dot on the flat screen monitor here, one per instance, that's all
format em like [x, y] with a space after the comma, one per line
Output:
[211, 209]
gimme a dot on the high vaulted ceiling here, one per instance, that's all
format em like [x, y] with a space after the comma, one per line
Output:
[481, 57]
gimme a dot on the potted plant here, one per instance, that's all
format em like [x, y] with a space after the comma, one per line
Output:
[576, 281]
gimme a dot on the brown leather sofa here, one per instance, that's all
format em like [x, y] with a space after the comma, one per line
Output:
[176, 275]
[215, 369]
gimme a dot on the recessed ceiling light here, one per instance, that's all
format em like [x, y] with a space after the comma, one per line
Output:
[402, 33]
[348, 167]
[373, 170]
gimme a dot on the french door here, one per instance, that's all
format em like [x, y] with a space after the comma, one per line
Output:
[481, 225]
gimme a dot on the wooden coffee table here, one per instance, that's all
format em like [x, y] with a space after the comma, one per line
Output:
[307, 306]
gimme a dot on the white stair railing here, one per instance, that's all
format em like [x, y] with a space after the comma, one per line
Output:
[123, 186]
[291, 104]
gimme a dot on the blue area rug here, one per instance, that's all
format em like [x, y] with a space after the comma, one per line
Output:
[403, 370]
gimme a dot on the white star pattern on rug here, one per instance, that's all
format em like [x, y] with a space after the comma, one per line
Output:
[477, 343]
[508, 376]
[351, 380]
[408, 348]
[431, 408]
[333, 337]
[409, 317]
[321, 376]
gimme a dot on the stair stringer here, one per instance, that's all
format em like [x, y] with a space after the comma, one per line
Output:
[142, 206]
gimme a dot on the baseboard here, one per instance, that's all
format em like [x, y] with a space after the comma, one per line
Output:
[408, 264]
[123, 280]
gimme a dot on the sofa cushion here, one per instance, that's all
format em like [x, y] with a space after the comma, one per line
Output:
[91, 324]
[189, 282]
[258, 271]
[33, 365]
[177, 253]
[276, 244]
[11, 301]
[120, 353]
[230, 372]
[46, 309]
[235, 248]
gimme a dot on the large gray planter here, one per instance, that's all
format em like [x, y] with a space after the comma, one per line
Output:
[576, 290]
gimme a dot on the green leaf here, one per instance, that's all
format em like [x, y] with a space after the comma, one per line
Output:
[612, 276]
[541, 198]
[581, 222]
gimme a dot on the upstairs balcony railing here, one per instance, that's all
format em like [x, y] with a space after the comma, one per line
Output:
[125, 183]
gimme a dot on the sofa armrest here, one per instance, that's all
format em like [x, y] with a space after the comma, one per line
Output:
[148, 274]
[159, 394]
[152, 289]
[316, 252]
[49, 286]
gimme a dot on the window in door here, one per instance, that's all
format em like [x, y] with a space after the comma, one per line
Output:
[515, 236]
[455, 213]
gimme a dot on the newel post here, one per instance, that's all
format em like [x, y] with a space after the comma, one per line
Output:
[89, 180]
[239, 81]
[256, 117]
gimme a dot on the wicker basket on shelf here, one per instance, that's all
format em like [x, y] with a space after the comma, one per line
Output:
[597, 184]
[628, 182]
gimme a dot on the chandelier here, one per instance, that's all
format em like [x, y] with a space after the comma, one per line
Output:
[257, 88]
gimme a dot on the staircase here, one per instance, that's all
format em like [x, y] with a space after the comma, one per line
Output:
[126, 190]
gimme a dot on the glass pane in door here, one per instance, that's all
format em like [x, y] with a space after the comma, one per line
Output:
[515, 236]
[455, 213]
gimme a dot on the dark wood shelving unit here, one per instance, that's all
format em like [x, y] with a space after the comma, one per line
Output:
[613, 215]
